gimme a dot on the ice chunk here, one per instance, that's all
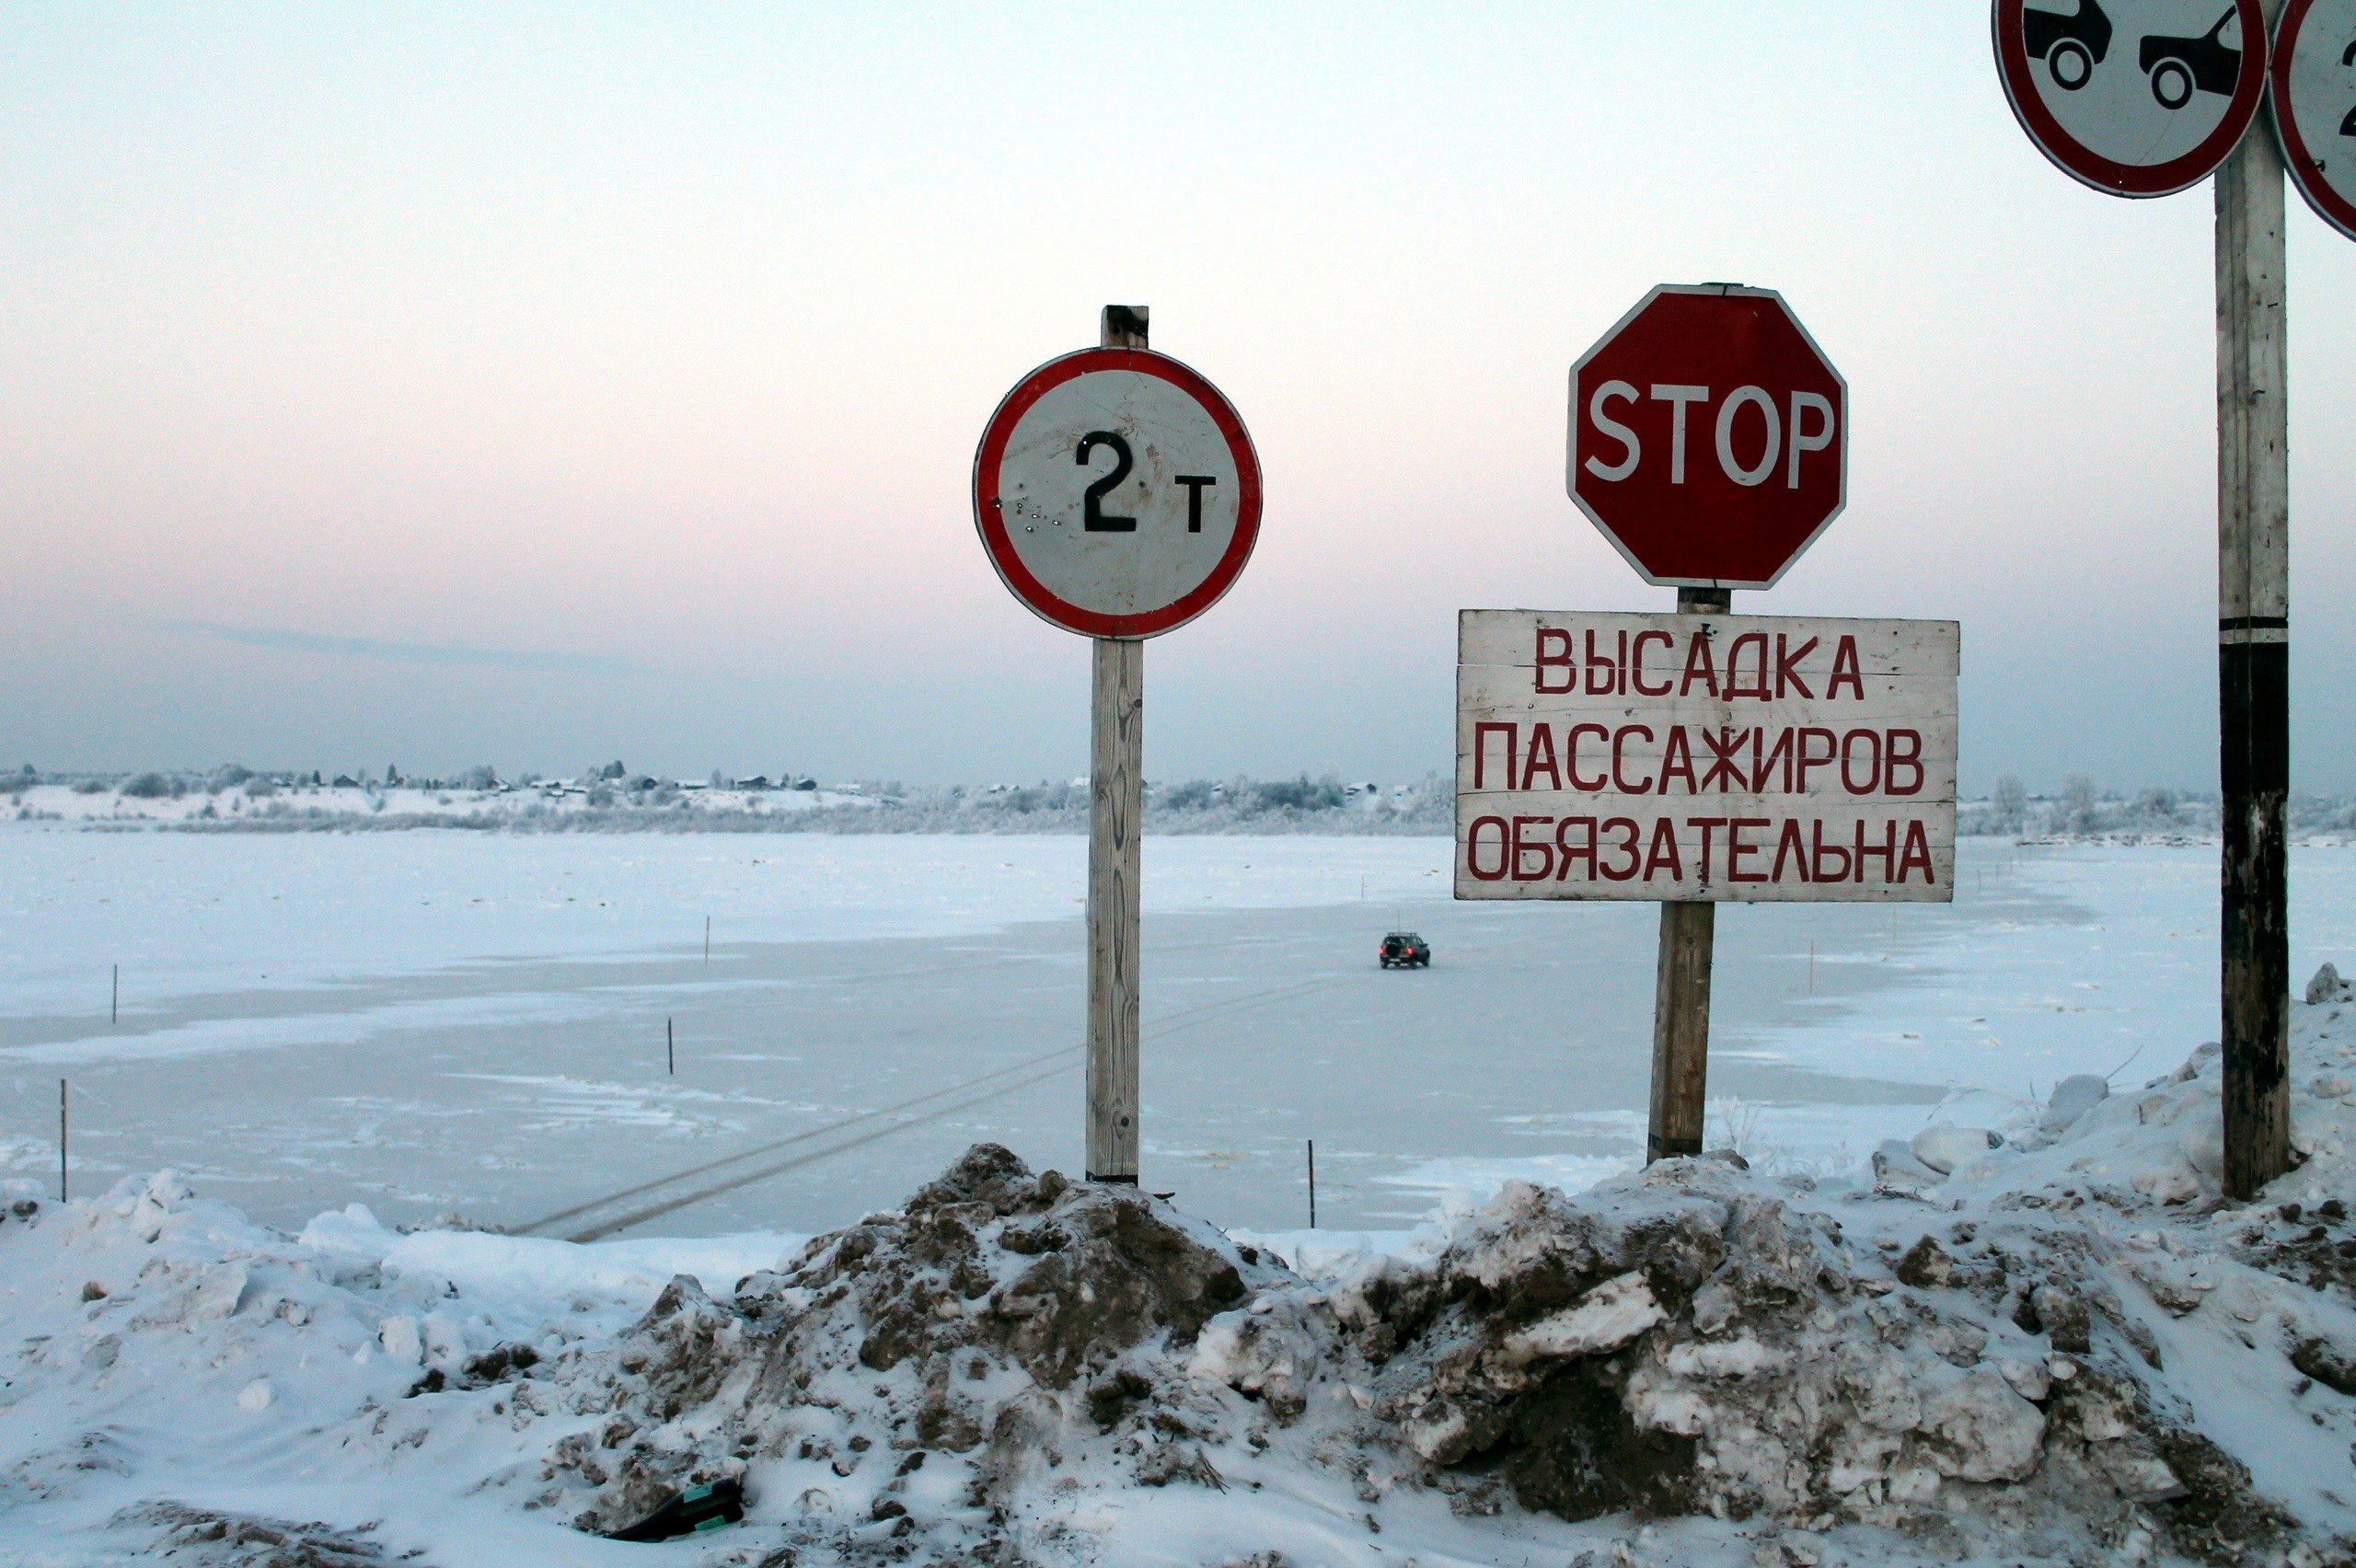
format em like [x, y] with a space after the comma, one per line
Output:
[1895, 1166]
[2204, 1142]
[350, 1229]
[2071, 1098]
[2325, 987]
[1945, 1148]
[1734, 1358]
[1606, 1317]
[218, 1291]
[1979, 1429]
[400, 1339]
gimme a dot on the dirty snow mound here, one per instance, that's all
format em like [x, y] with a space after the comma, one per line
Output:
[2051, 1342]
[920, 1368]
[961, 1377]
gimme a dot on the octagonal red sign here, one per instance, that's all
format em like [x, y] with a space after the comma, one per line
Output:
[1709, 436]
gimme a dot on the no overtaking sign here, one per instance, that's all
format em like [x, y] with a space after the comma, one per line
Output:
[2138, 98]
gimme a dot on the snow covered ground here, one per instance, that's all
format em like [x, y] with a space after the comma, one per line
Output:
[435, 1023]
[190, 916]
[2066, 1352]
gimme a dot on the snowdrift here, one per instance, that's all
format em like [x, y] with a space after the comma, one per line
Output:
[2060, 1347]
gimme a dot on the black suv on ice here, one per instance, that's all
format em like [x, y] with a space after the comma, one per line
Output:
[1404, 950]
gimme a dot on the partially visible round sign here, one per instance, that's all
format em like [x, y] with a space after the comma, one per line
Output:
[1117, 493]
[2138, 98]
[2314, 105]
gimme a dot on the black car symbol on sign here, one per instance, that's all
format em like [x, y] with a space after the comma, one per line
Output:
[2071, 44]
[2347, 126]
[2180, 66]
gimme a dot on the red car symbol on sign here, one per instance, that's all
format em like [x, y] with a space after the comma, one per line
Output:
[1709, 436]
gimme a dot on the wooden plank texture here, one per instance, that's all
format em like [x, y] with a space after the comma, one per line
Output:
[1116, 816]
[1509, 637]
[1623, 779]
[2252, 659]
[1116, 821]
[1681, 1030]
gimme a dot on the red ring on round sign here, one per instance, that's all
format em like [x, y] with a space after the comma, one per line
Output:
[2080, 163]
[992, 525]
[2328, 204]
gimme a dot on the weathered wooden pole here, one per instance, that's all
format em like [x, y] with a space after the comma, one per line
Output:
[2253, 657]
[1681, 989]
[1115, 813]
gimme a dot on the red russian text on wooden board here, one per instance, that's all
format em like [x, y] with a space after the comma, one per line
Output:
[1705, 757]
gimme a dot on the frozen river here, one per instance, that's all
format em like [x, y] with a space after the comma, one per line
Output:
[435, 1023]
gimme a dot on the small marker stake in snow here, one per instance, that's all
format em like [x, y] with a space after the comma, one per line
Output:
[1312, 1183]
[61, 1140]
[670, 1049]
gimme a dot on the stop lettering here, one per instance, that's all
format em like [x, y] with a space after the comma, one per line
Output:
[1709, 436]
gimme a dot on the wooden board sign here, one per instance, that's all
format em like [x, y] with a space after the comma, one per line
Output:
[1721, 757]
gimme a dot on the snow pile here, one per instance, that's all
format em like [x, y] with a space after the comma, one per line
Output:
[2032, 1345]
[1000, 1324]
[2057, 1344]
[1688, 1341]
[162, 1354]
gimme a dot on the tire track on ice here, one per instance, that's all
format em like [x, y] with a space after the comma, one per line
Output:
[1053, 1063]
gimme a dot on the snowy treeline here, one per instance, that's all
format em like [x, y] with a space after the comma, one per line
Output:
[1237, 806]
[2083, 809]
[611, 799]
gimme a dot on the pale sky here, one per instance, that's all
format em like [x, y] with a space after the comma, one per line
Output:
[544, 385]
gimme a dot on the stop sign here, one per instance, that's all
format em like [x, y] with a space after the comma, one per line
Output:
[1709, 436]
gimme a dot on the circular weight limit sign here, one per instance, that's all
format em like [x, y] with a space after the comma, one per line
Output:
[1116, 493]
[2314, 105]
[2138, 98]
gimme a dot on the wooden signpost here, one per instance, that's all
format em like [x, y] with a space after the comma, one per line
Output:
[1117, 494]
[2146, 111]
[1705, 758]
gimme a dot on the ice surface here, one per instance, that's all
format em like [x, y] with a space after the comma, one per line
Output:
[190, 915]
[442, 1032]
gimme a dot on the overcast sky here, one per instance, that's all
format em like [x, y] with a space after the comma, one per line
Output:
[541, 386]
